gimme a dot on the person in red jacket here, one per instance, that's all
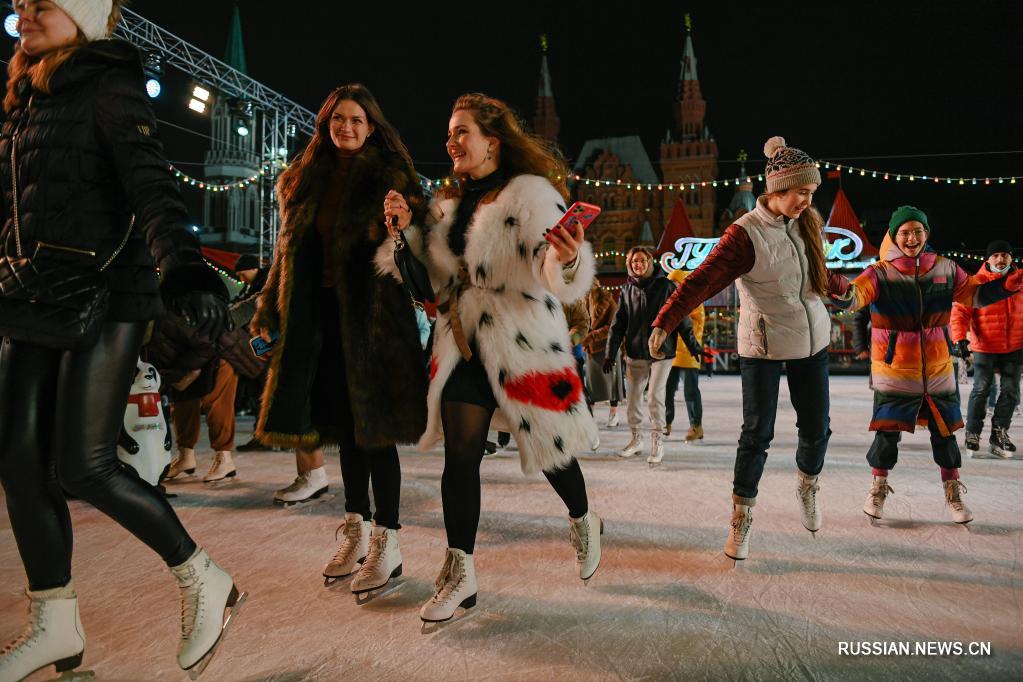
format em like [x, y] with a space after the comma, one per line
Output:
[996, 342]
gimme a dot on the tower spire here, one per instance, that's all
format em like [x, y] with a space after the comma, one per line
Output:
[545, 121]
[690, 106]
[235, 56]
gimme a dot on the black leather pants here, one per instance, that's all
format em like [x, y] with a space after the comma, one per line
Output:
[60, 414]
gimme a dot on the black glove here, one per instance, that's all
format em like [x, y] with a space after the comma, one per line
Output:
[207, 312]
[692, 343]
[609, 363]
[963, 349]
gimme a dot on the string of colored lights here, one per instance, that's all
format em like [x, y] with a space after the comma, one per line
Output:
[826, 165]
[223, 187]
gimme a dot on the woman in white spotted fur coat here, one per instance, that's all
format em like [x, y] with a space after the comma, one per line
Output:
[494, 258]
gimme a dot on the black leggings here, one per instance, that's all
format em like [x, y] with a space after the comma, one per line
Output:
[332, 414]
[60, 415]
[465, 432]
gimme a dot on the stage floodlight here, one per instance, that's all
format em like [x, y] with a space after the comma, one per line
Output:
[197, 106]
[153, 88]
[200, 93]
[242, 129]
[11, 25]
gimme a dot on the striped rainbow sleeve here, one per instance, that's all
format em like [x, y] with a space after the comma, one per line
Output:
[862, 292]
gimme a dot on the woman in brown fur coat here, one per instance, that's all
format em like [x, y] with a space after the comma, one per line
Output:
[602, 308]
[348, 366]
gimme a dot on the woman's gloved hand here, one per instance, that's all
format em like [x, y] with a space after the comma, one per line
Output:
[207, 312]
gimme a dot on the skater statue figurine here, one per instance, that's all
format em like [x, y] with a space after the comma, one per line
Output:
[145, 442]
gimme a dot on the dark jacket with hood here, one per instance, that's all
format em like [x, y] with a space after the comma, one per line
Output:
[88, 159]
[640, 302]
[380, 349]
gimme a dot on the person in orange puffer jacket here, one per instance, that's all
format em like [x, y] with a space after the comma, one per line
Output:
[996, 342]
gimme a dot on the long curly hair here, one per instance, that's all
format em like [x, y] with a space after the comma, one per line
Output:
[521, 152]
[317, 159]
[39, 70]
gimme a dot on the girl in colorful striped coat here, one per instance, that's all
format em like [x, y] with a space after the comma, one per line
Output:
[910, 292]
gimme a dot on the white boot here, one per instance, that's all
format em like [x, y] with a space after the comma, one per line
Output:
[960, 512]
[353, 548]
[221, 469]
[53, 636]
[737, 544]
[879, 491]
[584, 533]
[656, 448]
[308, 486]
[382, 563]
[612, 418]
[456, 587]
[207, 594]
[184, 463]
[634, 447]
[807, 494]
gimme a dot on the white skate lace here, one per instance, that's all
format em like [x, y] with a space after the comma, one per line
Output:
[740, 526]
[579, 536]
[28, 635]
[190, 595]
[446, 584]
[377, 543]
[298, 484]
[808, 496]
[1002, 436]
[952, 495]
[353, 531]
[879, 492]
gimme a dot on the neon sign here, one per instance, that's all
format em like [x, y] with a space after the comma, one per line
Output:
[690, 252]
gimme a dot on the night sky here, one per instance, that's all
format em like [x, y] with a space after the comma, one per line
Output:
[839, 80]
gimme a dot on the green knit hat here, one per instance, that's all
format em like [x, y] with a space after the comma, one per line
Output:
[903, 214]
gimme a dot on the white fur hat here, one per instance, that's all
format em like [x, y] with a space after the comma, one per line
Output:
[91, 16]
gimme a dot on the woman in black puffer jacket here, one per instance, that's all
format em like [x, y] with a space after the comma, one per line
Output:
[78, 158]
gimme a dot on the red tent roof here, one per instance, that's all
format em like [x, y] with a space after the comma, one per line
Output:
[842, 215]
[678, 226]
[225, 259]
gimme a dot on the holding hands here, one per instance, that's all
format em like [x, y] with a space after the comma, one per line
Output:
[657, 338]
[395, 206]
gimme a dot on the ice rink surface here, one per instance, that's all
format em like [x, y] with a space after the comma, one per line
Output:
[665, 603]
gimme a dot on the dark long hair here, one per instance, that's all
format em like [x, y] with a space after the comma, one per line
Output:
[521, 153]
[317, 158]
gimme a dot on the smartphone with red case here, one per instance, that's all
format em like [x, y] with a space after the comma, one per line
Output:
[579, 213]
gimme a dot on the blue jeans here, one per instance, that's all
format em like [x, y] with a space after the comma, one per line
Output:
[808, 389]
[984, 366]
[690, 377]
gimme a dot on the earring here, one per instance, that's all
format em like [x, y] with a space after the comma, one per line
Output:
[490, 153]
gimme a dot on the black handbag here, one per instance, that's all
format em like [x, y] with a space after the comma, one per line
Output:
[413, 272]
[51, 298]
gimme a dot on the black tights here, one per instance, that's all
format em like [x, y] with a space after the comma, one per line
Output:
[465, 432]
[60, 415]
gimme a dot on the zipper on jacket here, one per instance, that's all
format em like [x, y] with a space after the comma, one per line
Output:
[802, 285]
[923, 341]
[14, 179]
[762, 324]
[57, 247]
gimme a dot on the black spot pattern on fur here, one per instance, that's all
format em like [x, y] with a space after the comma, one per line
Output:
[524, 425]
[573, 409]
[511, 221]
[499, 290]
[523, 342]
[559, 443]
[502, 376]
[451, 281]
[486, 320]
[561, 389]
[561, 208]
[538, 248]
[529, 297]
[481, 273]
[557, 347]
[523, 251]
[552, 305]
